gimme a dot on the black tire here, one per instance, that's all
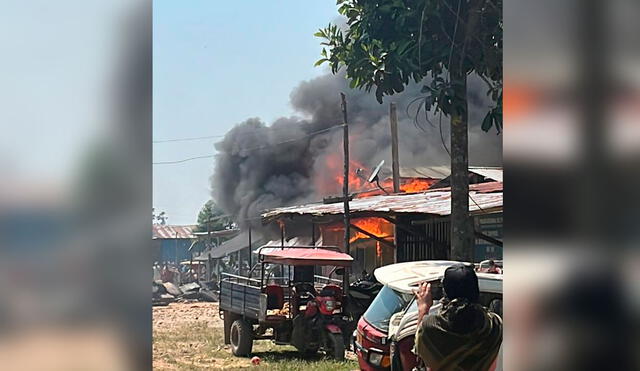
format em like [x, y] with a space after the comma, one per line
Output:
[227, 318]
[335, 346]
[311, 351]
[241, 337]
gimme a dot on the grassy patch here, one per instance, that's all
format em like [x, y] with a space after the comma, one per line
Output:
[196, 346]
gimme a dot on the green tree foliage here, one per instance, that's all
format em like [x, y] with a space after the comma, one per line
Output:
[217, 218]
[388, 43]
[159, 218]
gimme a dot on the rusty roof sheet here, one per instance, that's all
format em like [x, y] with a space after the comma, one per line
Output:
[483, 196]
[173, 231]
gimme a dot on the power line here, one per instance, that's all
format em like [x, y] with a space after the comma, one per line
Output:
[187, 139]
[183, 160]
[254, 148]
[271, 128]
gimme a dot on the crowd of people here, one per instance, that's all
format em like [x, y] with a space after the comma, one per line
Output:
[177, 274]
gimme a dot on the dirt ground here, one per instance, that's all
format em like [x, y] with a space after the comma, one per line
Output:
[189, 336]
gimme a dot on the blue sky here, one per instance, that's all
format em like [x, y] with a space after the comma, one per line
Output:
[216, 64]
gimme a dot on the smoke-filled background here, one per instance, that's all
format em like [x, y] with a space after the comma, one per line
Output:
[296, 159]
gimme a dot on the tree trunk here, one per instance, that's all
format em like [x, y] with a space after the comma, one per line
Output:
[461, 231]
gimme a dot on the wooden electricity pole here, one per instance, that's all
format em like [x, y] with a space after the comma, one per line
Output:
[395, 166]
[345, 188]
[250, 250]
[345, 182]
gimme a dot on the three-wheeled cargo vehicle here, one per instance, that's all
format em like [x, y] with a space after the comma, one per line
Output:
[298, 308]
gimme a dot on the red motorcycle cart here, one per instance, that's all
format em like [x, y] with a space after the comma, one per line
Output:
[299, 307]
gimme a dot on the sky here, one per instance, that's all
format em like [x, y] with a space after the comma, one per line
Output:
[215, 64]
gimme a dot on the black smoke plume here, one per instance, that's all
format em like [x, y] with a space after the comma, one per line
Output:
[260, 166]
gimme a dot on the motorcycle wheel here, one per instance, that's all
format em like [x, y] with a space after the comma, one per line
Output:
[335, 346]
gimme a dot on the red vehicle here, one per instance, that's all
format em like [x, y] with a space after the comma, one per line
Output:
[298, 309]
[372, 344]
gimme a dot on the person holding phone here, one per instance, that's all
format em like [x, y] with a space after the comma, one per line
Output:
[462, 335]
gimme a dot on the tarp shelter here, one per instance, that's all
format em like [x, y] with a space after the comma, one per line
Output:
[233, 247]
[306, 256]
[236, 244]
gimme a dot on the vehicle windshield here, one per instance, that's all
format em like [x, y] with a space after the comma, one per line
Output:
[413, 307]
[386, 303]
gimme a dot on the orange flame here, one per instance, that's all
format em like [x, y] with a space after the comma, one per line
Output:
[417, 185]
[330, 179]
[412, 185]
[376, 226]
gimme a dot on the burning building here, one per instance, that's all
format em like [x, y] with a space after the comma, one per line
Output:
[389, 228]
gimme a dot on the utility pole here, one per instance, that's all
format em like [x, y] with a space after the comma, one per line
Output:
[345, 187]
[395, 166]
[250, 250]
[177, 261]
[345, 179]
[209, 263]
[176, 249]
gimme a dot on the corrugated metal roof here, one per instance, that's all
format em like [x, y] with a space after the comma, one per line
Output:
[295, 241]
[173, 231]
[486, 187]
[235, 244]
[494, 173]
[442, 172]
[436, 202]
[220, 233]
[435, 172]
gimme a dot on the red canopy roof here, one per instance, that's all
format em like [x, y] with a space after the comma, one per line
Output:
[306, 256]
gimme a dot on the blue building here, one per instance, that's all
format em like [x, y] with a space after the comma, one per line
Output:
[171, 243]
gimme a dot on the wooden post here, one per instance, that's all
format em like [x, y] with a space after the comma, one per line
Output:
[281, 234]
[345, 188]
[191, 265]
[250, 250]
[176, 248]
[178, 261]
[345, 179]
[395, 166]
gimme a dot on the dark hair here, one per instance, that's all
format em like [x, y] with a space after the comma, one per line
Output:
[462, 293]
[460, 282]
